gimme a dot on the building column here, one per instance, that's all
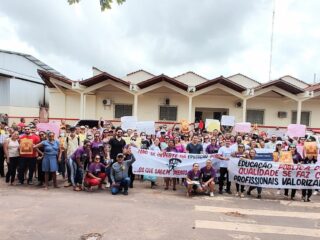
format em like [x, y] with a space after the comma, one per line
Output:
[135, 105]
[84, 106]
[81, 105]
[244, 110]
[190, 110]
[299, 112]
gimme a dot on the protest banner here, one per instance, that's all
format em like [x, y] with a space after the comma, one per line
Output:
[244, 127]
[274, 174]
[296, 130]
[52, 127]
[146, 126]
[162, 164]
[212, 124]
[128, 122]
[227, 120]
[26, 146]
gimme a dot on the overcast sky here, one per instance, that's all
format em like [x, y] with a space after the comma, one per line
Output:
[209, 37]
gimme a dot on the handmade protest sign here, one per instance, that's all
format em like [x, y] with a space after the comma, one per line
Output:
[244, 127]
[296, 130]
[52, 127]
[212, 124]
[227, 120]
[147, 126]
[26, 146]
[274, 174]
[128, 122]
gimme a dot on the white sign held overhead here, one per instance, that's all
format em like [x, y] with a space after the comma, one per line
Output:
[146, 126]
[128, 122]
[227, 120]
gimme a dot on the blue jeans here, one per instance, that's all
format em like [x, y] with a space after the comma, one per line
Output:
[123, 184]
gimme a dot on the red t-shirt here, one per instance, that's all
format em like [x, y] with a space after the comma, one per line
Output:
[21, 124]
[36, 140]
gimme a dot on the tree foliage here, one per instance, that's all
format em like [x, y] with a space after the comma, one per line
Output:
[105, 4]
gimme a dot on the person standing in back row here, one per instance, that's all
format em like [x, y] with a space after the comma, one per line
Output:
[117, 144]
[194, 147]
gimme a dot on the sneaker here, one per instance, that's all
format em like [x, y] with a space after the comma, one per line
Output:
[229, 192]
[308, 200]
[211, 194]
[315, 193]
[30, 183]
[242, 195]
[259, 196]
[278, 192]
[108, 185]
[237, 194]
[248, 193]
[125, 192]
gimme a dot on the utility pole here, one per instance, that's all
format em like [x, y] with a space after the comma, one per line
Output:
[271, 40]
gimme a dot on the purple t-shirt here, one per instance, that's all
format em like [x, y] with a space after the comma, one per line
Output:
[169, 149]
[95, 168]
[207, 173]
[78, 153]
[194, 176]
[212, 149]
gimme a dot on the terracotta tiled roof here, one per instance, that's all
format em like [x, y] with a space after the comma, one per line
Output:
[140, 70]
[192, 73]
[160, 78]
[222, 80]
[315, 88]
[280, 83]
[245, 77]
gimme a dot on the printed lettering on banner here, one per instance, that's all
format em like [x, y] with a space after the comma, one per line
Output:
[274, 174]
[212, 124]
[296, 130]
[147, 126]
[52, 127]
[244, 127]
[128, 122]
[227, 120]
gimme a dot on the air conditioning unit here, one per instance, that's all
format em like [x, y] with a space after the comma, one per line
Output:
[133, 87]
[191, 89]
[238, 104]
[282, 114]
[107, 102]
[76, 85]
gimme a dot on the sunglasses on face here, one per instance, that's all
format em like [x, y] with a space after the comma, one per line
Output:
[97, 158]
[133, 139]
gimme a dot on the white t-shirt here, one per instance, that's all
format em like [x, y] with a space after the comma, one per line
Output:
[225, 152]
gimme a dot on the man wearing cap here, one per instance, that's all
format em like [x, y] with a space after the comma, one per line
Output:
[119, 174]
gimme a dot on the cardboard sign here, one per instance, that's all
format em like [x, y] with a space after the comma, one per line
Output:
[227, 120]
[147, 126]
[212, 124]
[52, 127]
[129, 122]
[311, 149]
[296, 130]
[184, 126]
[244, 127]
[26, 146]
[286, 157]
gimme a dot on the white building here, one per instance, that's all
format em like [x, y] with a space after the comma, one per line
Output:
[187, 96]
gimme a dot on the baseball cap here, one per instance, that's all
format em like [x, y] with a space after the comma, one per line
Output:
[120, 155]
[279, 143]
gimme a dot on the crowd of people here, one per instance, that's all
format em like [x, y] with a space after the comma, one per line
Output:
[101, 156]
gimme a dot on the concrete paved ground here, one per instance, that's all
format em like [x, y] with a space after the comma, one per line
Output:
[29, 212]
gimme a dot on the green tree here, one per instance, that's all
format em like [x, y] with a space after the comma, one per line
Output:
[105, 4]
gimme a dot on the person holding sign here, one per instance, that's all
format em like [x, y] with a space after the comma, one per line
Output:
[51, 149]
[252, 156]
[296, 158]
[193, 180]
[28, 155]
[240, 153]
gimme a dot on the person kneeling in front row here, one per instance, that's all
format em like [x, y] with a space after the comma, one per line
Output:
[208, 175]
[193, 180]
[95, 174]
[119, 174]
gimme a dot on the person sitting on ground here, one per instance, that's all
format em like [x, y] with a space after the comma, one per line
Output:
[95, 174]
[208, 175]
[193, 180]
[119, 174]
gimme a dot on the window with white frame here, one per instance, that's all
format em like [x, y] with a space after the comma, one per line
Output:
[255, 116]
[168, 113]
[305, 118]
[121, 110]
